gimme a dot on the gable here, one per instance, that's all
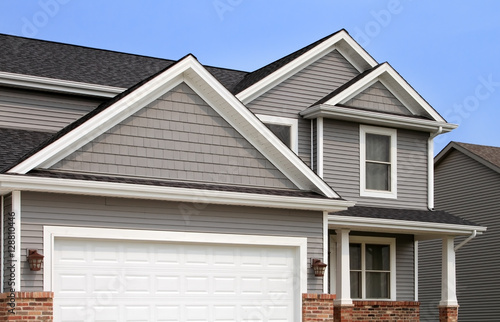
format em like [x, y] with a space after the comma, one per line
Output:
[378, 98]
[177, 137]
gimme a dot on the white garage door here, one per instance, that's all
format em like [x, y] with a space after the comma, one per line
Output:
[118, 280]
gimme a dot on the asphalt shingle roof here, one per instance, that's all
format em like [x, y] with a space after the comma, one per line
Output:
[490, 154]
[438, 216]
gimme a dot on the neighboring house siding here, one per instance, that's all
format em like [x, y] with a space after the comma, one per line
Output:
[469, 189]
[40, 209]
[342, 165]
[7, 207]
[377, 97]
[37, 111]
[302, 90]
[177, 137]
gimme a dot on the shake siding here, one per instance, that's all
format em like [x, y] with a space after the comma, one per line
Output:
[377, 97]
[39, 111]
[342, 165]
[468, 189]
[41, 209]
[302, 90]
[7, 207]
[177, 137]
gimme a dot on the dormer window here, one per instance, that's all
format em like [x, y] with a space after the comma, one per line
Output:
[378, 154]
[286, 129]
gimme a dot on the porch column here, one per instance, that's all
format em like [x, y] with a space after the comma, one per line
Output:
[448, 279]
[343, 275]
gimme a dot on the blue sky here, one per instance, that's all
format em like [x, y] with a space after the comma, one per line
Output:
[449, 51]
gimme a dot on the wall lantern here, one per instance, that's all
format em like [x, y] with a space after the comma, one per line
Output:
[35, 260]
[318, 266]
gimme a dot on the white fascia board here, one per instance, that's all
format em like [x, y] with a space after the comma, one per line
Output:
[58, 85]
[10, 183]
[386, 71]
[346, 45]
[376, 118]
[401, 226]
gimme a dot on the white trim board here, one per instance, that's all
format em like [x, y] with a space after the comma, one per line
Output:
[187, 70]
[292, 123]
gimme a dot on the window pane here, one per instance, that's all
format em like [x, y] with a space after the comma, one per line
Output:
[355, 256]
[378, 176]
[378, 147]
[356, 285]
[378, 257]
[282, 132]
[377, 285]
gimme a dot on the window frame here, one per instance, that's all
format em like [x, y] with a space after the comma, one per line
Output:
[292, 123]
[391, 242]
[392, 133]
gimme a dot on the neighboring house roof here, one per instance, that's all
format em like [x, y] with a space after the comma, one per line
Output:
[41, 58]
[487, 155]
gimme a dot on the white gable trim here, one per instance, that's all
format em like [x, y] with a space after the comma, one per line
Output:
[58, 85]
[341, 41]
[187, 70]
[396, 84]
[9, 183]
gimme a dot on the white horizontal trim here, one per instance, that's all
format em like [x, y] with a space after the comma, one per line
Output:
[10, 183]
[50, 233]
[402, 226]
[376, 118]
[58, 85]
[341, 40]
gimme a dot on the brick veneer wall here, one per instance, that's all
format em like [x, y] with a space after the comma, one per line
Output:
[29, 306]
[448, 313]
[386, 311]
[317, 307]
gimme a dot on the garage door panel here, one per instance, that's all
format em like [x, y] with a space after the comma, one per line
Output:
[101, 280]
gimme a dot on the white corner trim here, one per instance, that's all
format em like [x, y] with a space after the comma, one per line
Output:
[392, 133]
[58, 85]
[16, 209]
[2, 241]
[320, 146]
[325, 251]
[344, 42]
[402, 226]
[50, 233]
[415, 261]
[136, 191]
[292, 123]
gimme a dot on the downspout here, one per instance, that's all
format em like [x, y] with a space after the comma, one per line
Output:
[474, 234]
[2, 250]
[430, 168]
[312, 144]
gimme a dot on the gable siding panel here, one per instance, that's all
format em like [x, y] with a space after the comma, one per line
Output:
[37, 111]
[41, 209]
[377, 97]
[177, 137]
[342, 165]
[468, 189]
[302, 90]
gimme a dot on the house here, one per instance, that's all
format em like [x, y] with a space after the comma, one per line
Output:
[467, 180]
[172, 191]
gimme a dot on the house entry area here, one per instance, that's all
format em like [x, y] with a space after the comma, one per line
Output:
[108, 279]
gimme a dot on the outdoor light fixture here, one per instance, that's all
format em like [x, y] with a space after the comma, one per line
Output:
[318, 266]
[35, 260]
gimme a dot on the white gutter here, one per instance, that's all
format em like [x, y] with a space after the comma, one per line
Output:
[430, 168]
[474, 234]
[10, 183]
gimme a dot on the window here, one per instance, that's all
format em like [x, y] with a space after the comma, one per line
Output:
[285, 129]
[378, 168]
[372, 268]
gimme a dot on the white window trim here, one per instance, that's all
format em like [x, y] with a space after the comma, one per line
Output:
[363, 130]
[392, 250]
[292, 123]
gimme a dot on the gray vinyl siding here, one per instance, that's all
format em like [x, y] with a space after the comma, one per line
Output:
[177, 137]
[303, 89]
[41, 111]
[7, 208]
[467, 188]
[342, 165]
[377, 97]
[40, 209]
